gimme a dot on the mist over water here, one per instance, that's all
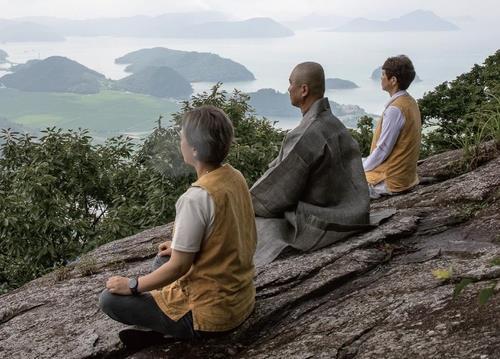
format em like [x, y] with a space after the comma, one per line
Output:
[437, 56]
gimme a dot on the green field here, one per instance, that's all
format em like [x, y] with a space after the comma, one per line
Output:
[105, 114]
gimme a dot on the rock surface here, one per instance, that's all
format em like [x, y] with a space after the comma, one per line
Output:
[373, 296]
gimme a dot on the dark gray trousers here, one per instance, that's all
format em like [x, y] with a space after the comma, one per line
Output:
[143, 311]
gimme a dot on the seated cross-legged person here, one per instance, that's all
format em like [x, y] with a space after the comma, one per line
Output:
[315, 192]
[391, 167]
[202, 282]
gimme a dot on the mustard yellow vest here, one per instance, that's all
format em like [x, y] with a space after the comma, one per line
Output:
[399, 170]
[219, 289]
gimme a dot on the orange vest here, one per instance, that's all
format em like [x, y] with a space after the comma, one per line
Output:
[399, 170]
[219, 289]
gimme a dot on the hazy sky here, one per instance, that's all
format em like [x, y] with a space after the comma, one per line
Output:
[278, 9]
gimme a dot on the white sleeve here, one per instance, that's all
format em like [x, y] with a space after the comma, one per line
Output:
[194, 217]
[392, 123]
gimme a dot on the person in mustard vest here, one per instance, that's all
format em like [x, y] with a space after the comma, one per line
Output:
[391, 167]
[202, 282]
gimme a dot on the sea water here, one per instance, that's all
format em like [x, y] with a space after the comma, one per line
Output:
[437, 56]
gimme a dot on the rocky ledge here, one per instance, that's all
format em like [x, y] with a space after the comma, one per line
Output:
[373, 296]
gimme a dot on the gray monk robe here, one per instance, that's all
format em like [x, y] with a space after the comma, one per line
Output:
[315, 192]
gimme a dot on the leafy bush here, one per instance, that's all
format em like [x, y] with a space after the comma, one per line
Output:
[454, 111]
[61, 194]
[363, 134]
[257, 140]
[53, 194]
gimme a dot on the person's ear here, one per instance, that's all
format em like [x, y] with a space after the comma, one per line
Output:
[305, 90]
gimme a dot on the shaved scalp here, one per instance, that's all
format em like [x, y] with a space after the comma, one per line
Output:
[312, 75]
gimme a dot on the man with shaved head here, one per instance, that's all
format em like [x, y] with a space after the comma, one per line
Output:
[311, 75]
[315, 192]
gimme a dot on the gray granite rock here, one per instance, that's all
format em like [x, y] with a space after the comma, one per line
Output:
[372, 296]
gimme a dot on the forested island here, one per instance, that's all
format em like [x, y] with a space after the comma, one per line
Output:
[339, 84]
[159, 81]
[194, 66]
[194, 24]
[60, 74]
[269, 102]
[252, 28]
[3, 57]
[21, 31]
[418, 20]
[54, 74]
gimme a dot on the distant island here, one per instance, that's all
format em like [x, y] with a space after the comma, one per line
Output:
[63, 75]
[3, 57]
[54, 74]
[17, 67]
[269, 102]
[16, 31]
[377, 73]
[339, 84]
[133, 26]
[419, 20]
[255, 27]
[156, 81]
[316, 21]
[197, 24]
[193, 66]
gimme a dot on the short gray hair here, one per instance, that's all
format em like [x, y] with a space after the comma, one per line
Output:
[210, 132]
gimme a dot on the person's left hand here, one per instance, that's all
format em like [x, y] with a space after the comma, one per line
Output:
[118, 285]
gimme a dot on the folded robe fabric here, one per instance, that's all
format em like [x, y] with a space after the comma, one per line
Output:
[316, 183]
[275, 234]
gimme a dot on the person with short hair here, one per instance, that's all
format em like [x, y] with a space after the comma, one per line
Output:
[315, 192]
[391, 167]
[202, 281]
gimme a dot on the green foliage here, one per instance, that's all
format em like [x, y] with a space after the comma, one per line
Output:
[54, 193]
[61, 194]
[257, 140]
[495, 261]
[459, 287]
[464, 111]
[485, 294]
[363, 134]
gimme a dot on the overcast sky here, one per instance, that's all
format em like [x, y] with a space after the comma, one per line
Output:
[277, 9]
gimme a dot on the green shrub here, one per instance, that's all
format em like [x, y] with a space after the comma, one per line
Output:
[61, 194]
[363, 134]
[53, 195]
[456, 111]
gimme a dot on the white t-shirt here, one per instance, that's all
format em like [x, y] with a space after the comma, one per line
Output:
[194, 219]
